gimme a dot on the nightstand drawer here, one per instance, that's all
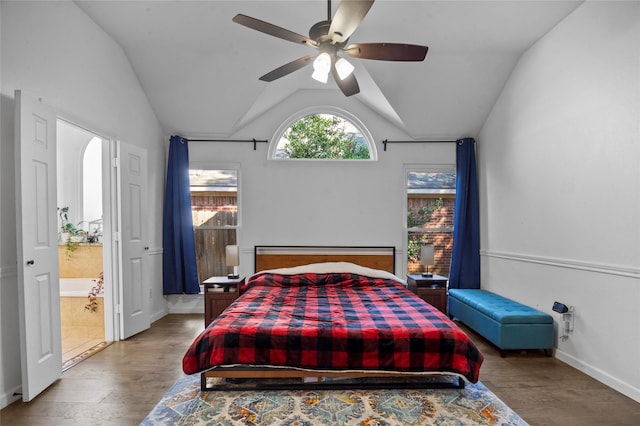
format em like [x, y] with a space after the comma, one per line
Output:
[434, 296]
[432, 290]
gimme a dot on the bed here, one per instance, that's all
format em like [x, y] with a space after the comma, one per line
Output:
[320, 314]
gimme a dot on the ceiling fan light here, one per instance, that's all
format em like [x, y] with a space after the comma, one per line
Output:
[344, 68]
[322, 62]
[321, 67]
[320, 76]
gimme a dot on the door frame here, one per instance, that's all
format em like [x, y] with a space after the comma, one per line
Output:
[109, 221]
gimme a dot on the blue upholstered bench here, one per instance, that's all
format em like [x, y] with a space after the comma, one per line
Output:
[506, 323]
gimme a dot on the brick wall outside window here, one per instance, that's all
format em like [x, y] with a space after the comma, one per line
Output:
[442, 241]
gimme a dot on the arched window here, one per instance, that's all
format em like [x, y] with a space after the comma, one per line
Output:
[322, 134]
[92, 181]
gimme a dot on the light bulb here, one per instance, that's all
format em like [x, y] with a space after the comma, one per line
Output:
[344, 68]
[322, 62]
[321, 67]
[321, 76]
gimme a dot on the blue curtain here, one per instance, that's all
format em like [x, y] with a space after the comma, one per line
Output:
[179, 273]
[465, 259]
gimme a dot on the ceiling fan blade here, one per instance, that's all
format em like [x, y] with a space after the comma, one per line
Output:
[387, 51]
[274, 30]
[347, 18]
[349, 85]
[287, 68]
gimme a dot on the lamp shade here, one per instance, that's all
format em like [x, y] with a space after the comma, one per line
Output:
[321, 67]
[427, 255]
[322, 62]
[233, 255]
[321, 76]
[343, 68]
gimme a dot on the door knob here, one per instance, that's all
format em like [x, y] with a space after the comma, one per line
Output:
[30, 262]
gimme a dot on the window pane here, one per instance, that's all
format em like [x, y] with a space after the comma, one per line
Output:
[442, 244]
[214, 210]
[214, 198]
[430, 199]
[210, 251]
[430, 212]
[323, 136]
[431, 182]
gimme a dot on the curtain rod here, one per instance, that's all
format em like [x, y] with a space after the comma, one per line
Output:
[254, 141]
[385, 142]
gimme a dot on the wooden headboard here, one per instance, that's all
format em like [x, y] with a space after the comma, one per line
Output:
[273, 257]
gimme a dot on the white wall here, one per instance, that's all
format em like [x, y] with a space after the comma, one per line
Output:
[47, 53]
[321, 202]
[559, 161]
[558, 151]
[54, 51]
[355, 203]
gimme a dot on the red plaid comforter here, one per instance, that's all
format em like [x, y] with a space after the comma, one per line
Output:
[335, 321]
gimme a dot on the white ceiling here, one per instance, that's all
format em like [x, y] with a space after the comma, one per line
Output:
[200, 70]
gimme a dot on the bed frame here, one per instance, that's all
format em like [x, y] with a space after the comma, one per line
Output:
[273, 257]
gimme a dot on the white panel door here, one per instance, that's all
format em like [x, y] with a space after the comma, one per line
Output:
[37, 241]
[132, 190]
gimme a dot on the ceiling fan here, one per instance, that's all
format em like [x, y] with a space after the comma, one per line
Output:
[330, 37]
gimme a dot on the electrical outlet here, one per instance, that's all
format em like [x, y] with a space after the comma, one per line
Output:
[560, 308]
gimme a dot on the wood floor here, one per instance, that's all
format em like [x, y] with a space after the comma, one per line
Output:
[121, 384]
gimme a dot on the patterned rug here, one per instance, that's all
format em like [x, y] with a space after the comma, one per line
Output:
[185, 404]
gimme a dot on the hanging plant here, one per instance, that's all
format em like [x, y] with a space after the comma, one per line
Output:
[97, 289]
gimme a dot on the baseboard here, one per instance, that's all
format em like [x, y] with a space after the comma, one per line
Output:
[158, 315]
[186, 310]
[10, 397]
[613, 382]
[185, 303]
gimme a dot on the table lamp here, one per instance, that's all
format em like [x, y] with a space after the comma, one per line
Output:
[233, 259]
[427, 258]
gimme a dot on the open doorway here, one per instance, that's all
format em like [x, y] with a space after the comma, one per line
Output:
[124, 191]
[81, 253]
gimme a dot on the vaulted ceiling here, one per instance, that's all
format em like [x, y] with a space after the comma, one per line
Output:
[200, 70]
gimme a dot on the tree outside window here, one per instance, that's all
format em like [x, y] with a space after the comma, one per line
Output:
[323, 136]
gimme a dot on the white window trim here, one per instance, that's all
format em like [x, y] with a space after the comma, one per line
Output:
[324, 109]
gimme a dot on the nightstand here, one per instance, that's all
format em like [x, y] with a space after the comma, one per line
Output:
[219, 292]
[432, 290]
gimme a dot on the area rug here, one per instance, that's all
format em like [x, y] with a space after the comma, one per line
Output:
[185, 404]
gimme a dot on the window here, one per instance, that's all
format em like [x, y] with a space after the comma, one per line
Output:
[431, 199]
[214, 208]
[92, 188]
[323, 134]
